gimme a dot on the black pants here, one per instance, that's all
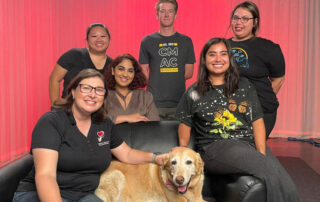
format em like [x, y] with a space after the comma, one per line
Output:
[269, 122]
[241, 157]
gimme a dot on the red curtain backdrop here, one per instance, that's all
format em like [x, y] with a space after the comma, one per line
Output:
[34, 33]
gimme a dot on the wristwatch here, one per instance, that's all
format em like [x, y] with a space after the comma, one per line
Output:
[154, 156]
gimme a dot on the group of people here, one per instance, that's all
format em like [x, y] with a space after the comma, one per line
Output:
[231, 108]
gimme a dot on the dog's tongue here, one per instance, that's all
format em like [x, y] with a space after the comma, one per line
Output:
[183, 188]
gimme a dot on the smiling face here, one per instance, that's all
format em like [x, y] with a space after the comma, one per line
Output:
[88, 102]
[123, 74]
[98, 40]
[166, 14]
[243, 30]
[182, 170]
[217, 60]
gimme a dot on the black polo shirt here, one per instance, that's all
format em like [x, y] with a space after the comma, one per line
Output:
[81, 159]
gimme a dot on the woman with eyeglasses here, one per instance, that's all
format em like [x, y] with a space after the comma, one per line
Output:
[127, 101]
[260, 60]
[77, 59]
[72, 146]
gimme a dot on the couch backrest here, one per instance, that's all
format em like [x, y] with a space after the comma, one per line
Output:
[151, 136]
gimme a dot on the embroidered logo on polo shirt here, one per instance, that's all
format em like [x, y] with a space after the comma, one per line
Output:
[100, 135]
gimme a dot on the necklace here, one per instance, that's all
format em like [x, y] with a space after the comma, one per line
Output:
[123, 97]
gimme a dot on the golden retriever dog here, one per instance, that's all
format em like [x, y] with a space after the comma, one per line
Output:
[179, 179]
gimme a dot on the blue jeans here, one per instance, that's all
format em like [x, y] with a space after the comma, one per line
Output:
[32, 196]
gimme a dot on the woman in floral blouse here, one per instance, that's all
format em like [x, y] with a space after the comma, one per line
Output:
[224, 113]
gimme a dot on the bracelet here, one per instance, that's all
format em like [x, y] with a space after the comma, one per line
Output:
[154, 156]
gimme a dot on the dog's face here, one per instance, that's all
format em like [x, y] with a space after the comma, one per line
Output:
[182, 168]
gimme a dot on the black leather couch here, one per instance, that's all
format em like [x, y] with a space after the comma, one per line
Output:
[153, 137]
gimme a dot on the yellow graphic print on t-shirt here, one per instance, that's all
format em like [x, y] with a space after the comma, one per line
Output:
[225, 121]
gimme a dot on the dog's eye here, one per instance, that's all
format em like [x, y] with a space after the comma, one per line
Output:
[188, 162]
[174, 162]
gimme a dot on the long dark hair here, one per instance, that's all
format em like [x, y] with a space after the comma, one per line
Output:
[139, 80]
[100, 114]
[231, 76]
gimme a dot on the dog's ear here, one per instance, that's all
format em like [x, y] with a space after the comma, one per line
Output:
[199, 164]
[165, 161]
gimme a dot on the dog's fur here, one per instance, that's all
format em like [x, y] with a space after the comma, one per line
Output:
[179, 179]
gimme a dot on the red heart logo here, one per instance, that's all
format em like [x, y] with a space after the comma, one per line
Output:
[100, 133]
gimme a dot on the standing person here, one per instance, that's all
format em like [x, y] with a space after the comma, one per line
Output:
[125, 101]
[225, 114]
[260, 60]
[72, 146]
[77, 59]
[169, 57]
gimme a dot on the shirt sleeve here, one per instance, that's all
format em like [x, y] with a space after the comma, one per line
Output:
[254, 103]
[152, 111]
[190, 56]
[143, 53]
[184, 108]
[276, 64]
[67, 59]
[47, 134]
[115, 138]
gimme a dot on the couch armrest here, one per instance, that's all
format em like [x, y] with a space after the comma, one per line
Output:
[10, 176]
[232, 188]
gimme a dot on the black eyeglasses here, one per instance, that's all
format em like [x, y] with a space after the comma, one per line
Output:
[242, 19]
[85, 88]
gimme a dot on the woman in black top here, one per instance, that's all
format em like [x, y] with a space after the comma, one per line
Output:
[259, 60]
[225, 115]
[77, 59]
[72, 146]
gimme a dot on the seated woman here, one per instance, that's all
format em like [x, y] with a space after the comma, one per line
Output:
[125, 102]
[224, 112]
[72, 146]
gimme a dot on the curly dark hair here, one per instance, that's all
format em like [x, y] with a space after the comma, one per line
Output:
[139, 80]
[231, 76]
[101, 114]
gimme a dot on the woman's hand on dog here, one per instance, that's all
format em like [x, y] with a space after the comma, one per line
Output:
[161, 159]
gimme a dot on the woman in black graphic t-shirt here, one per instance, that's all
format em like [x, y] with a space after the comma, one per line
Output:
[224, 113]
[259, 60]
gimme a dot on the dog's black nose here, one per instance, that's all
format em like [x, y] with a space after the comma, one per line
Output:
[179, 180]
